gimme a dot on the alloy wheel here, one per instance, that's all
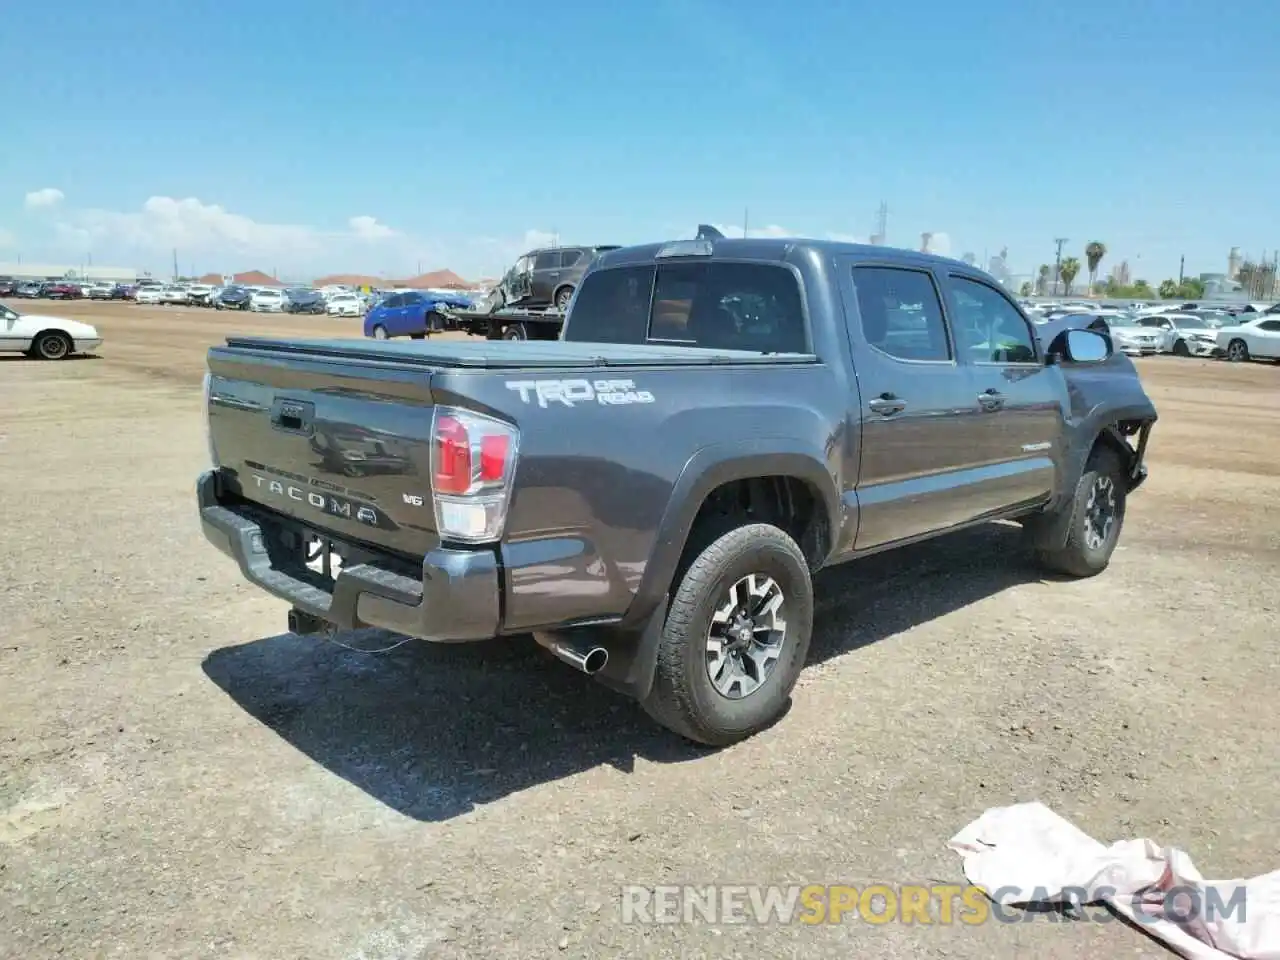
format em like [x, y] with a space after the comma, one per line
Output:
[1100, 512]
[746, 636]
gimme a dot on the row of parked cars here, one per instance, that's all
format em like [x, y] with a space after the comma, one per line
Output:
[63, 290]
[1237, 333]
[334, 301]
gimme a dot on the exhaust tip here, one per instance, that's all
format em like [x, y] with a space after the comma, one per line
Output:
[595, 660]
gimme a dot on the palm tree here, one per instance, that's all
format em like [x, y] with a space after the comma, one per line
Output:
[1093, 254]
[1042, 281]
[1070, 267]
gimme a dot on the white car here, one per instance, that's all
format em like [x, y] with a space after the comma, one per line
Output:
[44, 337]
[267, 301]
[1132, 338]
[1182, 334]
[148, 295]
[173, 295]
[345, 305]
[1258, 338]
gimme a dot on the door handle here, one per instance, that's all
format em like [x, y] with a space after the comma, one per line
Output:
[887, 405]
[991, 399]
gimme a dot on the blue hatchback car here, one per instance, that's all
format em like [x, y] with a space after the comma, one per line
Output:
[408, 314]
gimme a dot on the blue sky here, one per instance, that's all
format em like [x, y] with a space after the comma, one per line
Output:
[313, 136]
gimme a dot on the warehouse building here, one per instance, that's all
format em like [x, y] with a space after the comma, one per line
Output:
[65, 271]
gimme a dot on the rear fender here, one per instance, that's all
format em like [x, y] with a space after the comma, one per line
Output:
[707, 469]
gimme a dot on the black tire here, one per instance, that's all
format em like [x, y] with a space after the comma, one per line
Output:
[1237, 351]
[380, 333]
[1180, 349]
[684, 699]
[417, 336]
[515, 331]
[52, 346]
[1088, 550]
[562, 298]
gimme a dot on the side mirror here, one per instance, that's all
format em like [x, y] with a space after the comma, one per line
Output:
[1081, 346]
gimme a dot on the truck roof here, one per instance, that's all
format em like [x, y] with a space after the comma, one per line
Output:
[779, 249]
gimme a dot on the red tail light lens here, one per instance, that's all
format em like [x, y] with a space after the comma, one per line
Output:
[494, 449]
[451, 469]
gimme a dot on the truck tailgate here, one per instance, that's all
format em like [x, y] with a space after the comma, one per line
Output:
[341, 444]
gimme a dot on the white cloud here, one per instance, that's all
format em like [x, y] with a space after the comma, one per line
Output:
[773, 230]
[208, 236]
[368, 228]
[48, 197]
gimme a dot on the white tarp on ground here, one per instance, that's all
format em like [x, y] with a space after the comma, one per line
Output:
[1027, 854]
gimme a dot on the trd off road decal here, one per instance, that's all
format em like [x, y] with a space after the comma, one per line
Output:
[573, 392]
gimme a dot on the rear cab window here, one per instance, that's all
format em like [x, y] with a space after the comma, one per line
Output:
[723, 305]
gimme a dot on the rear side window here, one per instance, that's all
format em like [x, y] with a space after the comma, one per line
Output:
[723, 306]
[901, 313]
[570, 257]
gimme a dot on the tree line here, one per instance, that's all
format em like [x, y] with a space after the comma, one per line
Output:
[1259, 280]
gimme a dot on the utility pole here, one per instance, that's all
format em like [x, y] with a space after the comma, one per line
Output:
[1057, 263]
[745, 211]
[175, 263]
[1182, 263]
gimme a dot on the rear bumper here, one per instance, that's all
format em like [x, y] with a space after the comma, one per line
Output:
[456, 597]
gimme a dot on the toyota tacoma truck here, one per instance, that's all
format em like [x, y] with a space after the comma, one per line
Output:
[650, 495]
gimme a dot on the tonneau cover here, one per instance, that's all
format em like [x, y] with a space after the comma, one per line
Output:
[510, 354]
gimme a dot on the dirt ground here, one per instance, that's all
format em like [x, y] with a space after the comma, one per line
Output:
[179, 777]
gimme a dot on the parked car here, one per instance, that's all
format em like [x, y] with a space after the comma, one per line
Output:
[345, 305]
[61, 290]
[409, 314]
[200, 295]
[650, 495]
[45, 337]
[99, 291]
[267, 301]
[1132, 338]
[29, 290]
[233, 298]
[148, 294]
[1257, 338]
[173, 294]
[1182, 334]
[8, 288]
[302, 300]
[546, 278]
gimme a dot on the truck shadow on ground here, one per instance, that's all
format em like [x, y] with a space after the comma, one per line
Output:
[434, 730]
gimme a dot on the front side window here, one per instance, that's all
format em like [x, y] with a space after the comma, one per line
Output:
[900, 313]
[989, 329]
[570, 257]
[547, 260]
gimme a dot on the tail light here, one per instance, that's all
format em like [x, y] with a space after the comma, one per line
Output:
[473, 459]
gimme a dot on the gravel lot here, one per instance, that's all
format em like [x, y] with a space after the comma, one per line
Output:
[179, 777]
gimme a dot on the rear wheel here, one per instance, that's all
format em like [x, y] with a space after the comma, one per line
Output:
[380, 332]
[515, 331]
[1237, 350]
[1180, 349]
[562, 298]
[52, 346]
[735, 639]
[1097, 515]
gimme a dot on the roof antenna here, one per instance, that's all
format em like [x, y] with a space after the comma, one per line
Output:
[708, 232]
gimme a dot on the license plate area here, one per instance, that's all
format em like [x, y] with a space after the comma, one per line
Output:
[323, 557]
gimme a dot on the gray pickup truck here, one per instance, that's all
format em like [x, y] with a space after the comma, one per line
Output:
[650, 495]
